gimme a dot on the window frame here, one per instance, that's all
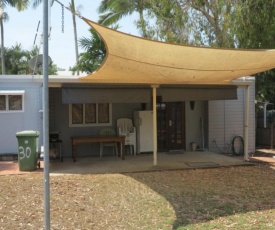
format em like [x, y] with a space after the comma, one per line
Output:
[6, 94]
[83, 112]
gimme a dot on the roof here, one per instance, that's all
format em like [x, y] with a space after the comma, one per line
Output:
[135, 60]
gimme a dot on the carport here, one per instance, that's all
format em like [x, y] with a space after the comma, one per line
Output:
[137, 61]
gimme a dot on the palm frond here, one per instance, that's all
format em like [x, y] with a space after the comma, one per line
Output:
[21, 5]
[109, 18]
[36, 3]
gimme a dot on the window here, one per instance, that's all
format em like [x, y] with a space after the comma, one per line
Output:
[90, 114]
[11, 101]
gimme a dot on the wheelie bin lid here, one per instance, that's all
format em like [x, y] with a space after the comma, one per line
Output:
[28, 133]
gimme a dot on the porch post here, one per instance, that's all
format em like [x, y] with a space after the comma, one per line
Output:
[155, 123]
[246, 122]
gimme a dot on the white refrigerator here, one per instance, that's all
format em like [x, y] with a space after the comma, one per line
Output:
[144, 128]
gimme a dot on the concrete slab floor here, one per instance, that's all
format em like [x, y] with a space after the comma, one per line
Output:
[144, 162]
[174, 160]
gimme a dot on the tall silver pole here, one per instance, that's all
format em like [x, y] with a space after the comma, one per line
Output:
[46, 117]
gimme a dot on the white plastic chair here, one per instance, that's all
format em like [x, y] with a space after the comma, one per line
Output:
[125, 128]
[108, 132]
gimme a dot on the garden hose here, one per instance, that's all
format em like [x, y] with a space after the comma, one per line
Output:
[241, 152]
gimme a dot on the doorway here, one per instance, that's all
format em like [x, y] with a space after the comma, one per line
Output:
[170, 126]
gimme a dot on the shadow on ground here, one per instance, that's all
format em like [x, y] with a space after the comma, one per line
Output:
[202, 195]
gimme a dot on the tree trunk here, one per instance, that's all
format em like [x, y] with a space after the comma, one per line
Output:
[75, 33]
[143, 24]
[2, 48]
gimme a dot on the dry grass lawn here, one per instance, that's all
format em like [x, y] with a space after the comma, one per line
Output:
[221, 198]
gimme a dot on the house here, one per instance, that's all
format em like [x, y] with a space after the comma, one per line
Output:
[199, 114]
[196, 95]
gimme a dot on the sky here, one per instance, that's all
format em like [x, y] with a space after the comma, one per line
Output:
[21, 28]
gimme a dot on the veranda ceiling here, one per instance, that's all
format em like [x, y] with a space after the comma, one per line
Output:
[135, 60]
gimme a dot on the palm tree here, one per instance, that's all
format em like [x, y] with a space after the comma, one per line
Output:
[116, 9]
[17, 60]
[94, 54]
[72, 7]
[19, 5]
[3, 18]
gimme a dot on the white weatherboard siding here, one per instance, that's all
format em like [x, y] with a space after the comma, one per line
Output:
[29, 119]
[226, 120]
[193, 124]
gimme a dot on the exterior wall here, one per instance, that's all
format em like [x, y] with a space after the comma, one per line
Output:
[59, 121]
[194, 128]
[226, 120]
[222, 119]
[29, 119]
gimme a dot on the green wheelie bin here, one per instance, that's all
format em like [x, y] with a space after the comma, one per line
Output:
[28, 150]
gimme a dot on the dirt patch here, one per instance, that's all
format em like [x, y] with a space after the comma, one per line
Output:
[242, 197]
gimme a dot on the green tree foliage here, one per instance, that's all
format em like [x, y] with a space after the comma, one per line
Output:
[194, 22]
[256, 30]
[265, 86]
[17, 59]
[215, 20]
[19, 5]
[170, 19]
[94, 54]
[113, 10]
[255, 24]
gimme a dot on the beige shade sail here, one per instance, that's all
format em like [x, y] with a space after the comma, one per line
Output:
[134, 60]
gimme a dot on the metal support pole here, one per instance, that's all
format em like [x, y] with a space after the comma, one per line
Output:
[155, 123]
[46, 117]
[265, 111]
[265, 104]
[246, 122]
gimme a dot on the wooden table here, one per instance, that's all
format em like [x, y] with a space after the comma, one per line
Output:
[90, 139]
